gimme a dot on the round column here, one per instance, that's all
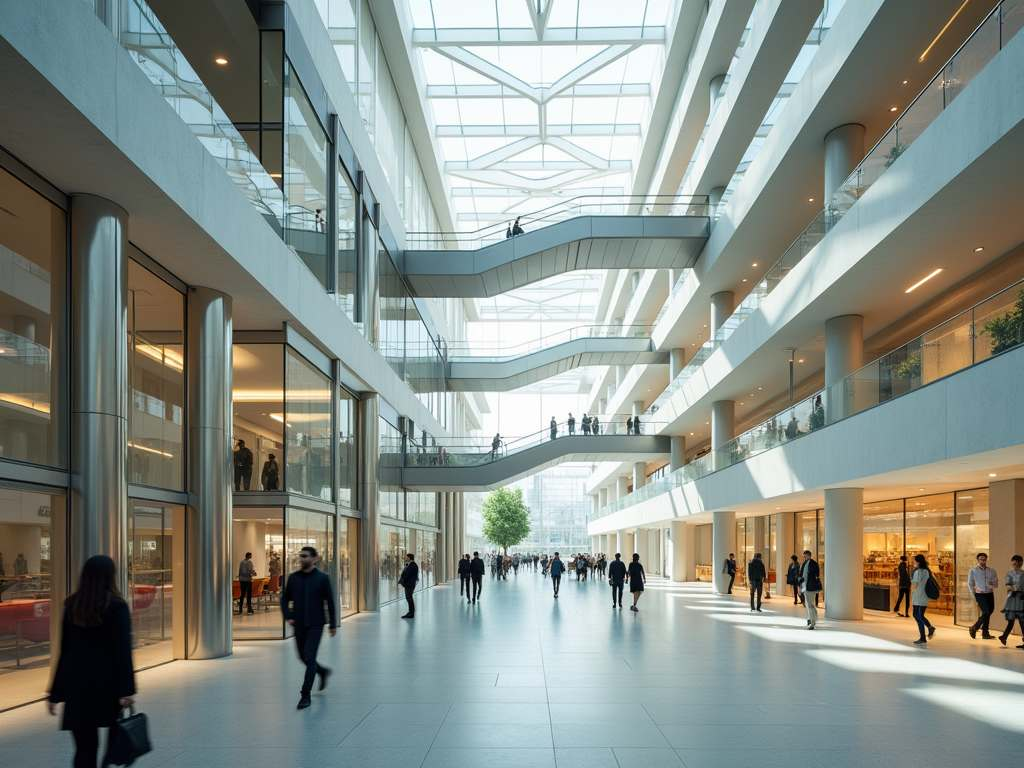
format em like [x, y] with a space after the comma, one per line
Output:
[208, 560]
[627, 545]
[677, 455]
[640, 546]
[99, 378]
[676, 362]
[715, 89]
[715, 200]
[723, 426]
[844, 148]
[447, 546]
[602, 497]
[844, 354]
[783, 550]
[369, 549]
[722, 305]
[639, 475]
[844, 560]
[621, 486]
[723, 541]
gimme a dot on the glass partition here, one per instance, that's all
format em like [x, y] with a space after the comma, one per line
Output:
[33, 298]
[345, 280]
[340, 19]
[883, 547]
[151, 579]
[972, 537]
[426, 552]
[305, 528]
[390, 497]
[348, 552]
[929, 526]
[259, 531]
[307, 428]
[156, 380]
[347, 449]
[704, 555]
[305, 178]
[391, 338]
[258, 416]
[394, 544]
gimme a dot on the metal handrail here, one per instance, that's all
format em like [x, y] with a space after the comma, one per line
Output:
[473, 349]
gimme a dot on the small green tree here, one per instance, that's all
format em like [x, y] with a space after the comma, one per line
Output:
[506, 518]
[1007, 331]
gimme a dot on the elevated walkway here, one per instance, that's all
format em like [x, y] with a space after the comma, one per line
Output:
[580, 234]
[478, 471]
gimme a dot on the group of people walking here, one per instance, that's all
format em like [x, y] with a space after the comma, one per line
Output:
[590, 425]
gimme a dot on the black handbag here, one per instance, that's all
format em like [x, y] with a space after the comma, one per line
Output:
[128, 739]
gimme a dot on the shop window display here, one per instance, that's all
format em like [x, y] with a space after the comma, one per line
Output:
[705, 568]
[394, 544]
[972, 537]
[259, 530]
[883, 546]
[151, 579]
[929, 531]
[348, 548]
[307, 428]
[258, 416]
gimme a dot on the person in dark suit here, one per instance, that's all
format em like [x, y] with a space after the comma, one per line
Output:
[903, 583]
[637, 579]
[464, 577]
[95, 677]
[302, 603]
[410, 575]
[730, 569]
[756, 574]
[242, 460]
[476, 575]
[617, 579]
[810, 585]
[793, 578]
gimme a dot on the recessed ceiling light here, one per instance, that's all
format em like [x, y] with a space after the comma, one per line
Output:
[744, 279]
[705, 325]
[754, 264]
[691, 434]
[946, 26]
[920, 489]
[778, 507]
[760, 389]
[992, 474]
[220, 61]
[275, 175]
[800, 360]
[894, 108]
[979, 249]
[924, 279]
[741, 402]
[904, 82]
[810, 199]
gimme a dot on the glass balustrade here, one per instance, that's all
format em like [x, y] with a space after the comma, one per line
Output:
[990, 327]
[138, 29]
[479, 351]
[1004, 21]
[584, 205]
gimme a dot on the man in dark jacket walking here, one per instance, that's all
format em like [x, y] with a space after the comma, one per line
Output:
[476, 576]
[730, 569]
[756, 574]
[617, 578]
[903, 579]
[464, 577]
[410, 575]
[302, 602]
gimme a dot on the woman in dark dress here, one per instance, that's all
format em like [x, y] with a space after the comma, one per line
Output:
[94, 677]
[637, 579]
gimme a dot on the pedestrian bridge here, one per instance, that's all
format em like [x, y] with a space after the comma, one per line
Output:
[592, 232]
[475, 468]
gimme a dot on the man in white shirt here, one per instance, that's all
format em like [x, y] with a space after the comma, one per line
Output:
[982, 582]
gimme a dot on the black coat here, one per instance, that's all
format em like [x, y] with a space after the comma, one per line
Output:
[617, 572]
[304, 597]
[813, 583]
[464, 567]
[95, 669]
[756, 570]
[793, 574]
[636, 577]
[410, 575]
[477, 567]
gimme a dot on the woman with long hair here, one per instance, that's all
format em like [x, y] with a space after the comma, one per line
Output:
[637, 579]
[95, 677]
[919, 598]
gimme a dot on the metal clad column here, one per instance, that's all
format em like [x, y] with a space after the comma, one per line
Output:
[723, 541]
[208, 558]
[99, 405]
[722, 306]
[369, 551]
[444, 549]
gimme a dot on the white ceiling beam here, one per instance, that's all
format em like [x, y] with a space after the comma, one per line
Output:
[554, 129]
[495, 91]
[510, 181]
[540, 11]
[514, 166]
[426, 37]
[574, 150]
[587, 68]
[471, 192]
[495, 156]
[491, 71]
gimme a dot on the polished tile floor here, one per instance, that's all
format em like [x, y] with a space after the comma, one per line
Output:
[520, 679]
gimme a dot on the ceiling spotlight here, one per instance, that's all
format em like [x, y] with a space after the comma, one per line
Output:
[691, 434]
[904, 82]
[810, 199]
[979, 249]
[760, 389]
[744, 280]
[894, 108]
[992, 474]
[800, 360]
[754, 264]
[220, 61]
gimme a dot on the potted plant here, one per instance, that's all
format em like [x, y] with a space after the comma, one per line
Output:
[1007, 331]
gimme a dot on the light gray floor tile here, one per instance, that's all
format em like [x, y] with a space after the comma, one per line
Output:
[586, 757]
[621, 734]
[648, 758]
[507, 758]
[501, 735]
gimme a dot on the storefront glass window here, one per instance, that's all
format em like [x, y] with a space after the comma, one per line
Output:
[972, 537]
[259, 530]
[258, 416]
[391, 497]
[310, 529]
[883, 546]
[742, 557]
[426, 551]
[156, 379]
[32, 570]
[345, 280]
[348, 548]
[347, 448]
[704, 558]
[930, 533]
[151, 579]
[807, 533]
[394, 544]
[33, 261]
[307, 428]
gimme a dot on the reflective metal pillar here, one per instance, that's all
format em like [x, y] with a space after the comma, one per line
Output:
[369, 551]
[208, 557]
[444, 545]
[99, 371]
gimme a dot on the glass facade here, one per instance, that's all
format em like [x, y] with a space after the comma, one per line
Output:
[971, 537]
[391, 308]
[156, 379]
[394, 544]
[258, 416]
[153, 571]
[307, 427]
[259, 530]
[348, 553]
[883, 545]
[347, 264]
[929, 532]
[347, 448]
[33, 301]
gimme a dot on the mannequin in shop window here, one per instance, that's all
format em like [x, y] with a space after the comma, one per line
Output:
[270, 475]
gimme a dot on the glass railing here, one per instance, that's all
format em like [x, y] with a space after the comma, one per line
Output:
[139, 31]
[477, 451]
[462, 350]
[1004, 21]
[584, 205]
[988, 328]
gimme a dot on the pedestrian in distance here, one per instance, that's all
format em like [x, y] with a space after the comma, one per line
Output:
[756, 575]
[410, 575]
[517, 228]
[637, 579]
[636, 425]
[924, 587]
[729, 568]
[903, 585]
[495, 446]
[306, 596]
[982, 583]
[810, 586]
[571, 423]
[556, 568]
[595, 425]
[617, 579]
[465, 566]
[95, 677]
[585, 424]
[629, 425]
[554, 428]
[793, 577]
[508, 231]
[1013, 607]
[476, 576]
[246, 570]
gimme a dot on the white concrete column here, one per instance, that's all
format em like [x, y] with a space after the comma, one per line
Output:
[715, 88]
[635, 281]
[715, 198]
[722, 305]
[723, 541]
[621, 486]
[677, 455]
[673, 276]
[627, 545]
[640, 546]
[723, 426]
[1005, 532]
[844, 354]
[844, 553]
[783, 549]
[639, 474]
[676, 362]
[844, 148]
[595, 505]
[684, 551]
[446, 540]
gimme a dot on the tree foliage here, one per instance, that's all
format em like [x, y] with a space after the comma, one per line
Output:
[506, 517]
[1007, 331]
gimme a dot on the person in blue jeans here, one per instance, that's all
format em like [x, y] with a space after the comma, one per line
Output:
[919, 598]
[556, 568]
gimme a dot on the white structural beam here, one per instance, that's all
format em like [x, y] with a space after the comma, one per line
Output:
[531, 129]
[426, 37]
[497, 91]
[507, 179]
[514, 166]
[491, 71]
[590, 66]
[574, 150]
[502, 192]
[495, 156]
[540, 12]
